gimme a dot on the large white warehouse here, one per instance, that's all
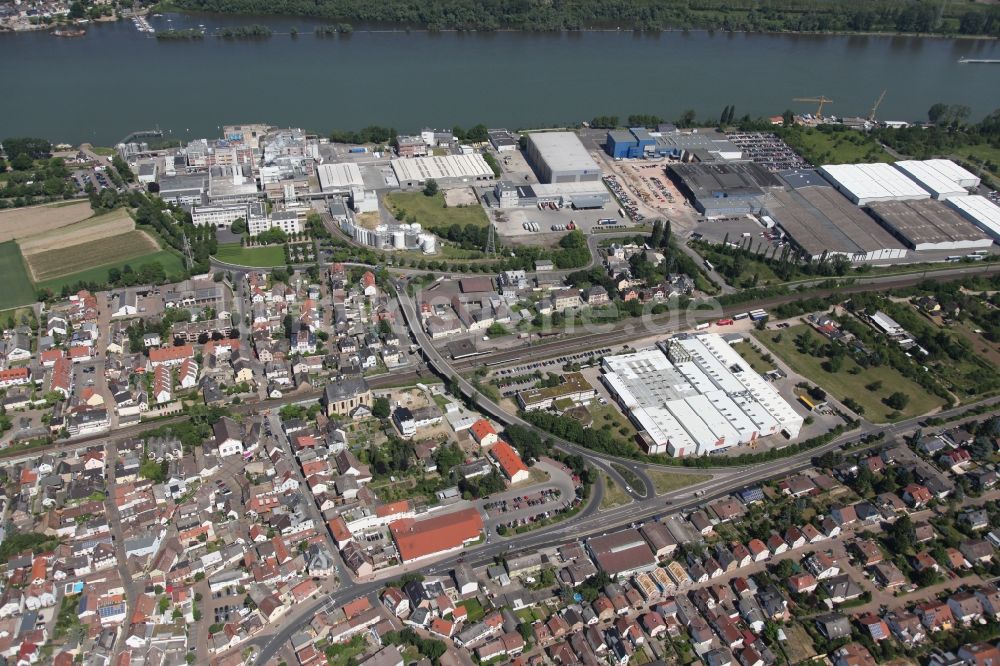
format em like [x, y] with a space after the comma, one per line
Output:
[444, 169]
[867, 183]
[942, 178]
[704, 398]
[981, 212]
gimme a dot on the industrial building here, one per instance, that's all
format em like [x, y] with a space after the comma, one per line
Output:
[559, 157]
[502, 140]
[232, 184]
[720, 190]
[981, 212]
[819, 221]
[622, 553]
[446, 170]
[391, 236]
[585, 195]
[221, 216]
[703, 399]
[694, 146]
[942, 178]
[929, 225]
[339, 178]
[867, 183]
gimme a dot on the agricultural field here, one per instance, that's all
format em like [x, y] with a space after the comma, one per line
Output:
[850, 381]
[172, 265]
[100, 227]
[58, 262]
[24, 222]
[18, 289]
[265, 256]
[431, 211]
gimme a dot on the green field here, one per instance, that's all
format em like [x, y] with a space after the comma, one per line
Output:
[17, 285]
[265, 256]
[172, 264]
[666, 482]
[843, 384]
[614, 496]
[55, 263]
[837, 147]
[431, 211]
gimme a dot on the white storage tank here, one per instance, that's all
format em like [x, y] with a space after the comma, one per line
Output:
[399, 240]
[428, 243]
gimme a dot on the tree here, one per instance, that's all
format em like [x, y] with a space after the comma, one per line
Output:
[897, 400]
[381, 407]
[430, 187]
[787, 118]
[686, 119]
[22, 162]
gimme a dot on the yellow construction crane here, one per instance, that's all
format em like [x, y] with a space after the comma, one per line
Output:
[878, 102]
[821, 100]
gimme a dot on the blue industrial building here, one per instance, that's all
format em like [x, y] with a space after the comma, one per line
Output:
[631, 143]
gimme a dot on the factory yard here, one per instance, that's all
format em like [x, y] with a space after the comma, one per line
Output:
[24, 222]
[850, 381]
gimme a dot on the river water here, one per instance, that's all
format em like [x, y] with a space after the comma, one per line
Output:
[115, 80]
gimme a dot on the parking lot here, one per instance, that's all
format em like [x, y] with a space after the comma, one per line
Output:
[549, 364]
[510, 222]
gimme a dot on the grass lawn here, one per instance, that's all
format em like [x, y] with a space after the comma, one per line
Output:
[750, 267]
[14, 313]
[613, 495]
[172, 264]
[608, 417]
[431, 211]
[837, 147]
[980, 153]
[753, 357]
[666, 482]
[17, 285]
[103, 151]
[265, 256]
[843, 384]
[474, 608]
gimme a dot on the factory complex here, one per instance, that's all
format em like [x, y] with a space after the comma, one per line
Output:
[695, 395]
[724, 189]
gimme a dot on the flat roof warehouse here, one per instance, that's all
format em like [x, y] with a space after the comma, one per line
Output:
[443, 168]
[929, 225]
[820, 220]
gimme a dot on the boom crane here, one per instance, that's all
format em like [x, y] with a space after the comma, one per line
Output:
[878, 102]
[820, 101]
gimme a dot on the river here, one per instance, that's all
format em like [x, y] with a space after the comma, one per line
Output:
[115, 80]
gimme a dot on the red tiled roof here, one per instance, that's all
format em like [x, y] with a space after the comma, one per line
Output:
[416, 539]
[482, 428]
[166, 354]
[508, 458]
